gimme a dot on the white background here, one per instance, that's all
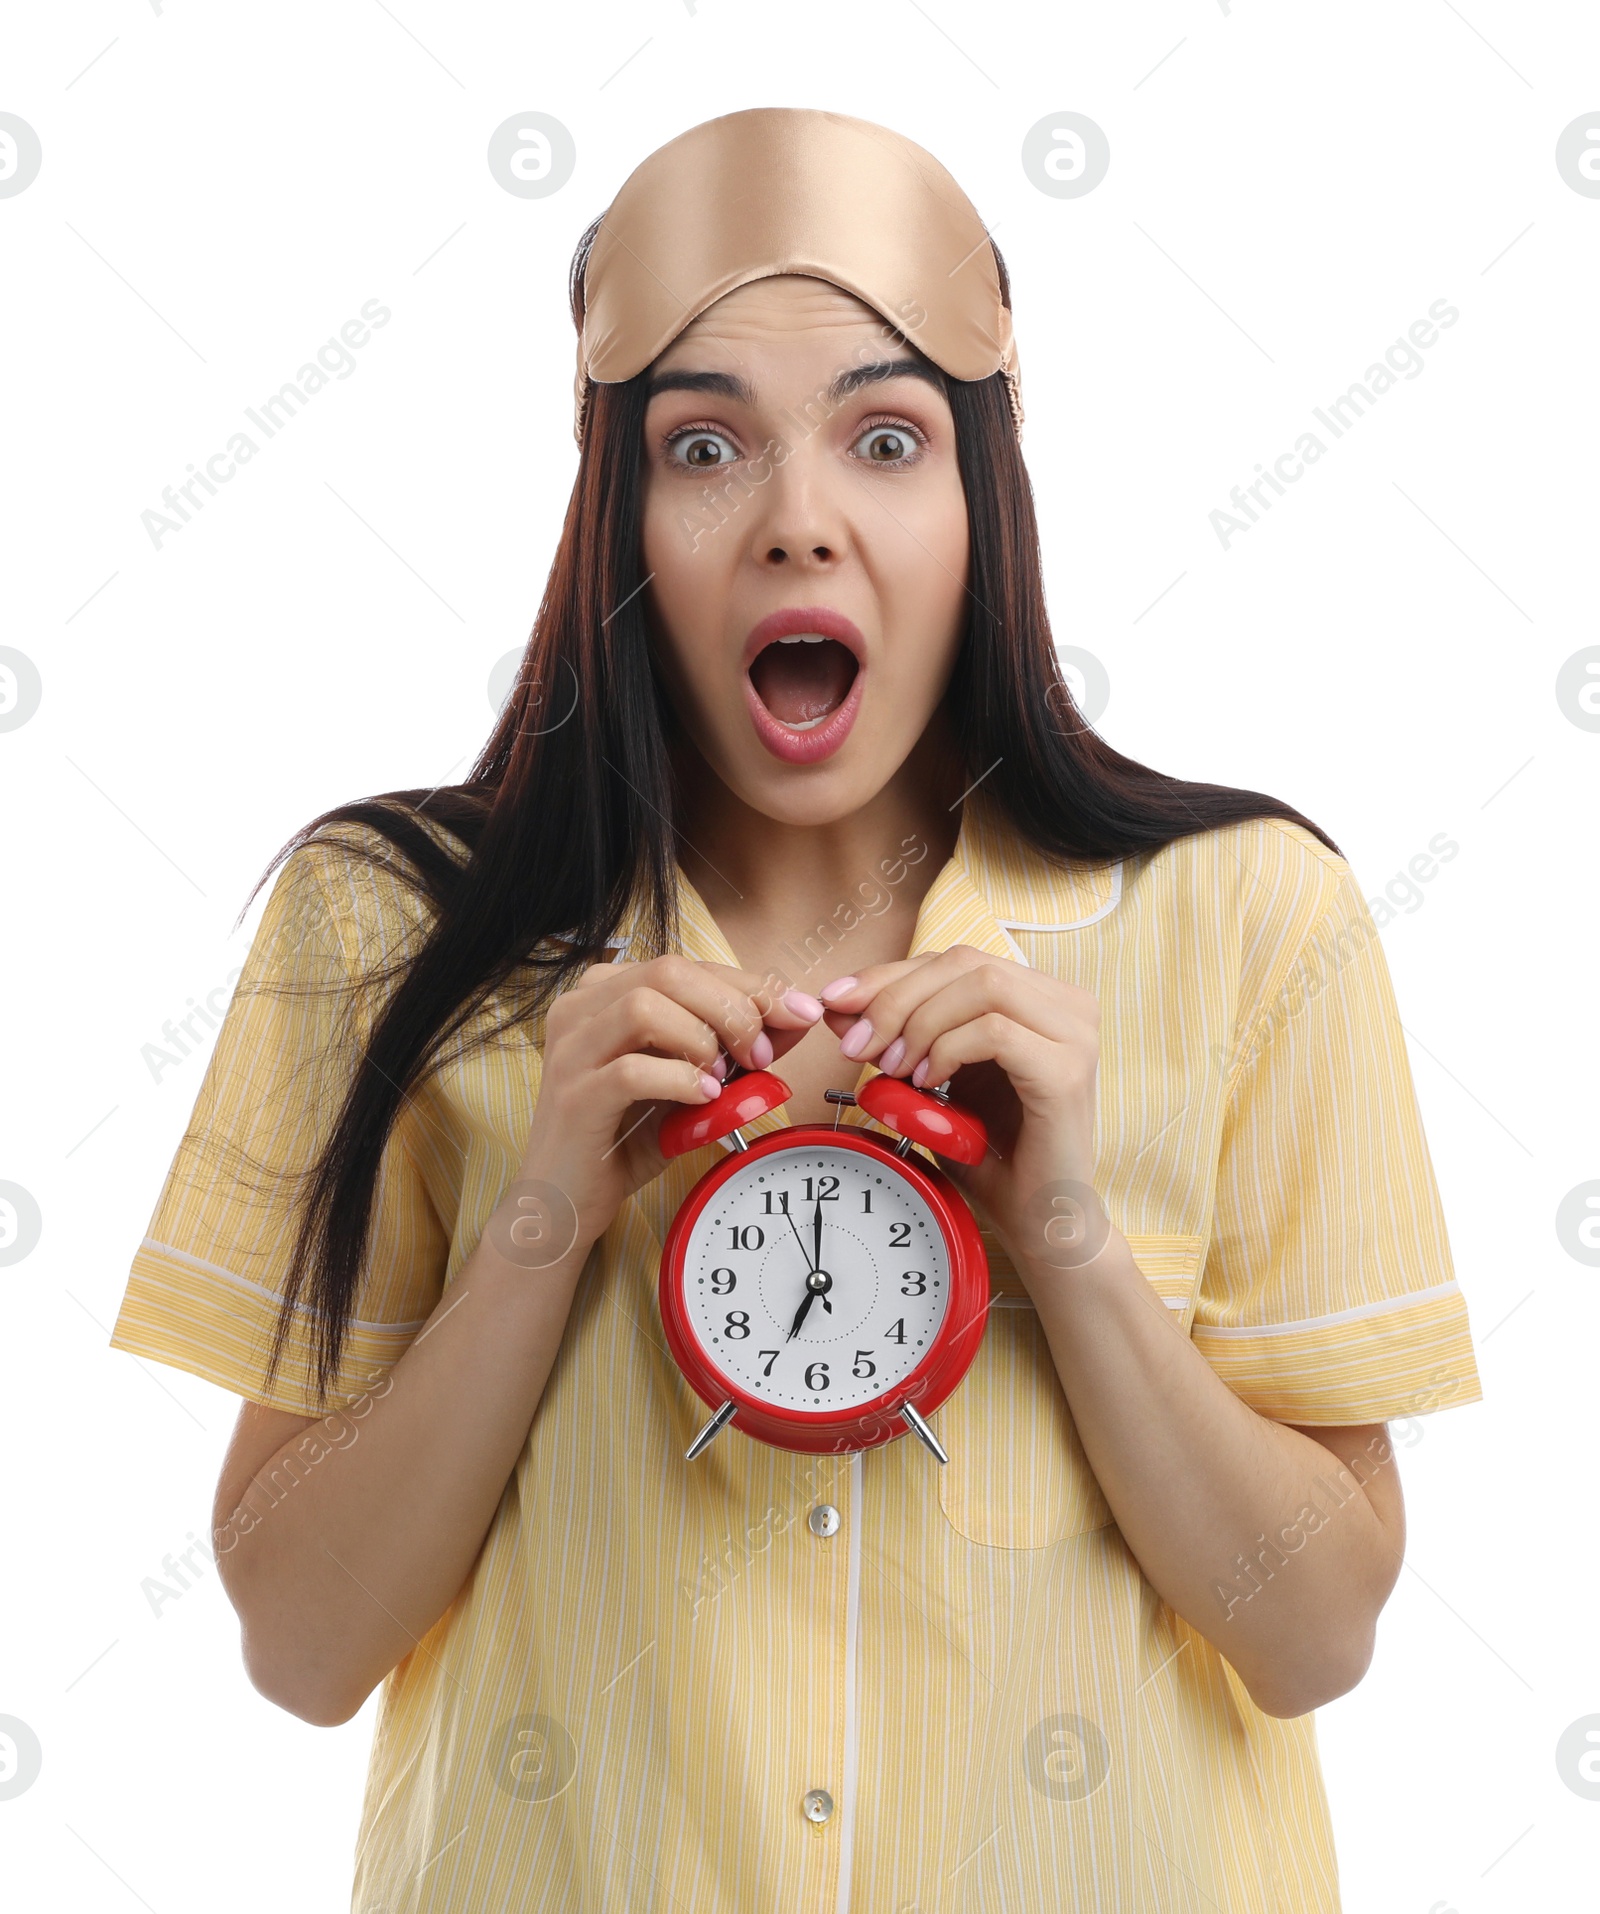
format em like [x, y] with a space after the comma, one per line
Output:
[1290, 188]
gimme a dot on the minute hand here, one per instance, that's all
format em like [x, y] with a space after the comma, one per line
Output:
[816, 1256]
[805, 1301]
[811, 1261]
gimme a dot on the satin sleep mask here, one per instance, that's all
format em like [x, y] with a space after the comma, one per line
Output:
[778, 189]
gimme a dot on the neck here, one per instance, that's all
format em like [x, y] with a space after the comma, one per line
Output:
[773, 885]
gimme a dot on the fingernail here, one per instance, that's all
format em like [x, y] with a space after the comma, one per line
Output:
[710, 1084]
[856, 1038]
[919, 1073]
[761, 1051]
[837, 988]
[719, 1068]
[889, 1062]
[802, 1005]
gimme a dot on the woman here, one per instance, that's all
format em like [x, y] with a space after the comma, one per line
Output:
[790, 778]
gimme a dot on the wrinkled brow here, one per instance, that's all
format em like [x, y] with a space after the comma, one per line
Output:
[728, 385]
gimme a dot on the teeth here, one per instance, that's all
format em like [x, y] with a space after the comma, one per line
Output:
[803, 638]
[810, 723]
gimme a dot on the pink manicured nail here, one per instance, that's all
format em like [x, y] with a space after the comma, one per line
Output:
[856, 1038]
[889, 1062]
[919, 1073]
[719, 1066]
[837, 988]
[710, 1084]
[802, 1005]
[761, 1051]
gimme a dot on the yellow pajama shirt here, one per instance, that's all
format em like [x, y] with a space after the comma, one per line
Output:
[769, 1683]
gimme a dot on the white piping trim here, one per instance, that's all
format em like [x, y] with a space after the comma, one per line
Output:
[272, 1295]
[1379, 1308]
[1016, 948]
[1016, 923]
[852, 1631]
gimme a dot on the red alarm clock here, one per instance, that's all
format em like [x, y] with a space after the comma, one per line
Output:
[822, 1289]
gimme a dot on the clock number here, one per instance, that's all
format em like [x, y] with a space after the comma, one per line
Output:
[916, 1276]
[899, 1236]
[772, 1357]
[783, 1203]
[823, 1192]
[864, 1356]
[742, 1236]
[866, 1202]
[811, 1378]
[720, 1288]
[737, 1326]
[898, 1332]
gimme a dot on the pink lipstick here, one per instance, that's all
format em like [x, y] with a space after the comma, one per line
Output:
[810, 663]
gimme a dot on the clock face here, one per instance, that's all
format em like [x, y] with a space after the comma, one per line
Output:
[745, 1269]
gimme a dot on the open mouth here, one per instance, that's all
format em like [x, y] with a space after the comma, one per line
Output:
[802, 679]
[805, 670]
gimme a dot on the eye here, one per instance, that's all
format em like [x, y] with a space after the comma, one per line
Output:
[890, 442]
[695, 446]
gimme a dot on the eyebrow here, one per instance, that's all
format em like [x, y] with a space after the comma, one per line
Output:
[728, 385]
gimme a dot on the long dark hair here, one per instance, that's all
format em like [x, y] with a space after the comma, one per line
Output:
[529, 865]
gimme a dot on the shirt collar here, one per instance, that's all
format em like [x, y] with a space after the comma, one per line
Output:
[993, 882]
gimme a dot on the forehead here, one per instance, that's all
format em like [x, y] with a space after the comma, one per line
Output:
[783, 306]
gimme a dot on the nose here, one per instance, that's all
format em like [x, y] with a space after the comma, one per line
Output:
[801, 524]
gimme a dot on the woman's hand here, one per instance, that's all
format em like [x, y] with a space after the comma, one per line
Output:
[1022, 1049]
[623, 1046]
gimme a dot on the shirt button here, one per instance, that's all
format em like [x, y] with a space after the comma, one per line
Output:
[817, 1805]
[823, 1519]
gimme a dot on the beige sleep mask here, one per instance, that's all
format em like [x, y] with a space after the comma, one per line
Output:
[778, 189]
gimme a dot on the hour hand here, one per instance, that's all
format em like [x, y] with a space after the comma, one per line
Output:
[818, 1283]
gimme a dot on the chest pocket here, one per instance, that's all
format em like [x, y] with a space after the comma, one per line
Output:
[1017, 1475]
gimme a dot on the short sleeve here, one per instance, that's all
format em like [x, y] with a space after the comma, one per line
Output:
[1328, 1294]
[207, 1280]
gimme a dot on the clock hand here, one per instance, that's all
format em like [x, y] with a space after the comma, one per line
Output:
[811, 1261]
[811, 1265]
[816, 1252]
[800, 1315]
[814, 1289]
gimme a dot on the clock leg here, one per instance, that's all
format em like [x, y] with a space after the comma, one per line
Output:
[919, 1427]
[709, 1431]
